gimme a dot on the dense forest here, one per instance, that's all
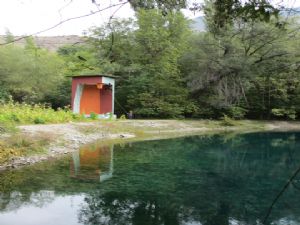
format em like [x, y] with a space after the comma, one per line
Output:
[241, 66]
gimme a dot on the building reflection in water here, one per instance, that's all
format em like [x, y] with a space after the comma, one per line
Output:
[92, 163]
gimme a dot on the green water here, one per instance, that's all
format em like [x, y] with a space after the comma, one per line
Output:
[207, 180]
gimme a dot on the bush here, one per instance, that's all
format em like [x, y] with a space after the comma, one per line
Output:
[14, 118]
[23, 145]
[4, 95]
[122, 117]
[291, 114]
[22, 113]
[237, 112]
[2, 129]
[93, 116]
[227, 121]
[39, 121]
[284, 113]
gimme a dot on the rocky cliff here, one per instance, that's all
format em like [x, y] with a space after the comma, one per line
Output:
[52, 43]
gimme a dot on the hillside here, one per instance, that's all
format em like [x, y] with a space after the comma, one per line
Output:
[198, 23]
[52, 43]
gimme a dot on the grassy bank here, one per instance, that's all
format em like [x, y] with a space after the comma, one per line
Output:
[13, 143]
[22, 113]
[35, 139]
[18, 145]
[66, 131]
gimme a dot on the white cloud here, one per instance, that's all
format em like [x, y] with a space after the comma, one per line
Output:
[30, 16]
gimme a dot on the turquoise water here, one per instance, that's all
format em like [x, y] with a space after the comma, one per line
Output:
[209, 180]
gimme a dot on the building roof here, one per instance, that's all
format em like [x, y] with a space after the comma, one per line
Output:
[93, 75]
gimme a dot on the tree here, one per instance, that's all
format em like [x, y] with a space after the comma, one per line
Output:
[226, 62]
[164, 5]
[221, 13]
[159, 89]
[29, 73]
[145, 56]
[224, 11]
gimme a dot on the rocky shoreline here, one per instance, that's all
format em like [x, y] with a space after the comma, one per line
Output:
[67, 138]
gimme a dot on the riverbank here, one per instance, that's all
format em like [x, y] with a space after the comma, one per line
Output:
[53, 140]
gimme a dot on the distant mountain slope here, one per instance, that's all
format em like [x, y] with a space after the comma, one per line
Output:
[198, 23]
[291, 12]
[52, 43]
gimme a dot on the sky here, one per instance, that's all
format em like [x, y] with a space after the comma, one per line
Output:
[26, 17]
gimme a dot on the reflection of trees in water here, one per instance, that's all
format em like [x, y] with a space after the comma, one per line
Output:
[16, 200]
[30, 185]
[218, 179]
[211, 180]
[113, 209]
[35, 185]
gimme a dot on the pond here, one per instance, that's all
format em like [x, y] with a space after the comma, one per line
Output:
[223, 179]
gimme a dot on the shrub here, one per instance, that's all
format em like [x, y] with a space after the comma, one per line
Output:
[21, 145]
[122, 117]
[227, 121]
[284, 113]
[237, 112]
[278, 112]
[22, 113]
[2, 129]
[291, 114]
[93, 116]
[14, 118]
[39, 121]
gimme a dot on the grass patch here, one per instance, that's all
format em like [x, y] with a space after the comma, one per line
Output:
[111, 127]
[21, 145]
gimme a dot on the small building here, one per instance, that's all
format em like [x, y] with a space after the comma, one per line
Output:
[93, 94]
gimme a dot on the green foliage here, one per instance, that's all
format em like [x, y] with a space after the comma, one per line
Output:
[285, 113]
[22, 113]
[144, 55]
[39, 121]
[123, 117]
[111, 116]
[237, 112]
[93, 116]
[4, 95]
[28, 74]
[79, 59]
[20, 145]
[227, 121]
[59, 96]
[245, 65]
[165, 6]
[278, 112]
[250, 64]
[162, 92]
[224, 13]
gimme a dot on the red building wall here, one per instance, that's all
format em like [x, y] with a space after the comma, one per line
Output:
[99, 101]
[90, 100]
[83, 80]
[106, 100]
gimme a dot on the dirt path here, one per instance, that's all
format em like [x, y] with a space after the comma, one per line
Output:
[66, 138]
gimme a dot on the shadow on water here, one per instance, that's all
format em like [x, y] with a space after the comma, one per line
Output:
[208, 180]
